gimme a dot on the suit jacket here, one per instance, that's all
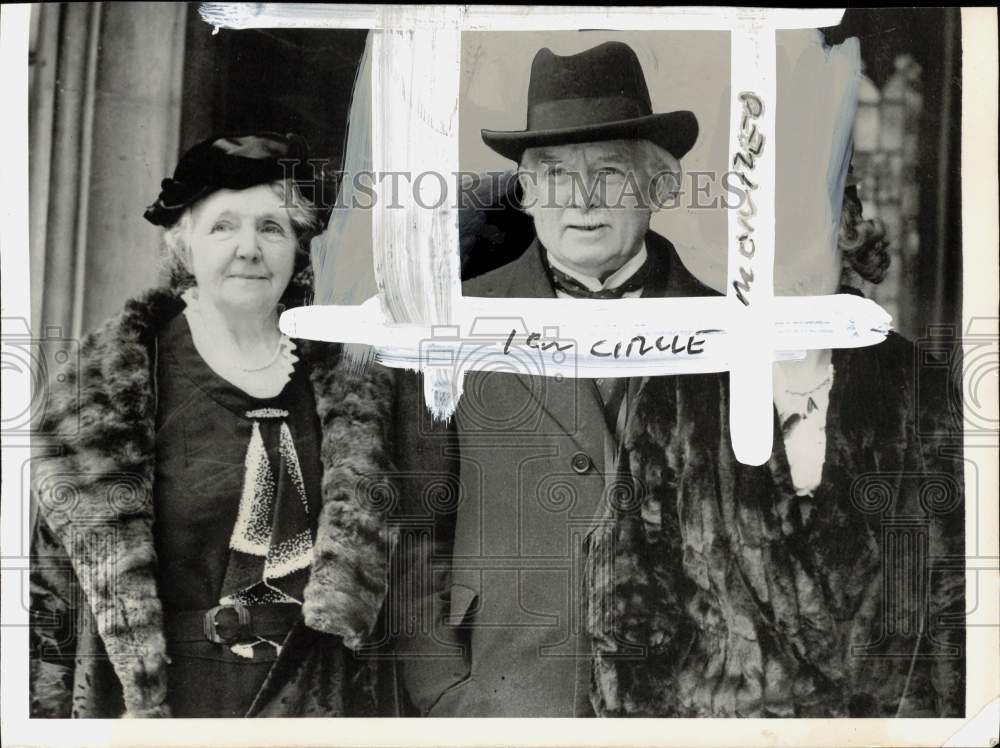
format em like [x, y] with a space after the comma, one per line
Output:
[505, 635]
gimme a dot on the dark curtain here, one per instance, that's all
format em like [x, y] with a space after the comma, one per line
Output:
[287, 80]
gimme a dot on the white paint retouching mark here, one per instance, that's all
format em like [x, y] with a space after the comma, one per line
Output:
[415, 129]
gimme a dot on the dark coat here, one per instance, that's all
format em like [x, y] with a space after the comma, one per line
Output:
[718, 592]
[507, 639]
[98, 647]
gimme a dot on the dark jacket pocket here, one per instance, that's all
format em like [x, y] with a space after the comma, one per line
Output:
[448, 704]
[462, 608]
[462, 605]
[449, 664]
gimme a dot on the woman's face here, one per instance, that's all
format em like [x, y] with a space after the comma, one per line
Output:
[242, 249]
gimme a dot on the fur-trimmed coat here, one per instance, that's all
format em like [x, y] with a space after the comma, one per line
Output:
[98, 647]
[718, 592]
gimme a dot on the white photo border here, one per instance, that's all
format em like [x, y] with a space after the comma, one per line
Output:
[980, 242]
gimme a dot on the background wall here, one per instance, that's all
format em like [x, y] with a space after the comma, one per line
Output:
[105, 107]
[908, 139]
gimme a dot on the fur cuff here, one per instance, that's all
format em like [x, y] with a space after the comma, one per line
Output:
[157, 711]
[348, 579]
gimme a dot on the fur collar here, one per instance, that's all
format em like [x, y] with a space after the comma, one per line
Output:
[96, 494]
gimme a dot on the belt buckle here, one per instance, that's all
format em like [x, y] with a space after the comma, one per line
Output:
[211, 624]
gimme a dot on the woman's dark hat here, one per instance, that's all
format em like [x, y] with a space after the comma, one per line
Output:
[599, 94]
[232, 162]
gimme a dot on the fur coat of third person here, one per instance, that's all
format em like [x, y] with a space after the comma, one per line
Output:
[719, 592]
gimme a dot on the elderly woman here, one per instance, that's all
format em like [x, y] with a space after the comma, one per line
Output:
[204, 546]
[821, 584]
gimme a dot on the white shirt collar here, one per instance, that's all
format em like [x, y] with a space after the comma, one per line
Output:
[614, 280]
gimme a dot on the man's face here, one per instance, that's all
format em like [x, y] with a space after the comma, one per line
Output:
[588, 204]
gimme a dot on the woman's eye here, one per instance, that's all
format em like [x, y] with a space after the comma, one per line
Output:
[219, 226]
[275, 229]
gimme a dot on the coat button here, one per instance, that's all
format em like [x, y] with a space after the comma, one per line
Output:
[580, 462]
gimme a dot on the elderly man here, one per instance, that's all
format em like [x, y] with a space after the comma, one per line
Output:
[538, 455]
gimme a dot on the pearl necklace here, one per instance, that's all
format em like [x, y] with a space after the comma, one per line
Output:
[265, 380]
[269, 364]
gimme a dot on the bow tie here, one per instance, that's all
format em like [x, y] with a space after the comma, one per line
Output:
[572, 287]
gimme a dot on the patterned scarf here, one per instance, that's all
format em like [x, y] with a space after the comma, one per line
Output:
[271, 544]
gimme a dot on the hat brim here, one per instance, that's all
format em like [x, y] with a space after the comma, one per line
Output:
[674, 131]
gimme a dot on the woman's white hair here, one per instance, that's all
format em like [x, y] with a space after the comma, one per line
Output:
[302, 213]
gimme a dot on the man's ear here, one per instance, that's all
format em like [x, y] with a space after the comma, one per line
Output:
[664, 188]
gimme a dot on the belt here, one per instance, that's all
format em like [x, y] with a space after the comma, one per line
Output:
[229, 624]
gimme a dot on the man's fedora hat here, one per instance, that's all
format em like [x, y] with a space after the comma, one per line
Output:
[598, 94]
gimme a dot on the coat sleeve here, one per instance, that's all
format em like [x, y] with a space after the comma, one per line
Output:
[932, 502]
[428, 650]
[53, 625]
[940, 419]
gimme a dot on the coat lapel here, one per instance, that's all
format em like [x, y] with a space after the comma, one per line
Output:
[575, 405]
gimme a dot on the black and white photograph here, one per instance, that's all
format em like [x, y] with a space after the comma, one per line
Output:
[674, 398]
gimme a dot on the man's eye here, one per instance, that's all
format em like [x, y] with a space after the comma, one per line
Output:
[554, 171]
[610, 171]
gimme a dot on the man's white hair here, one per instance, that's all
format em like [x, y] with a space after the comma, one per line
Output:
[662, 172]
